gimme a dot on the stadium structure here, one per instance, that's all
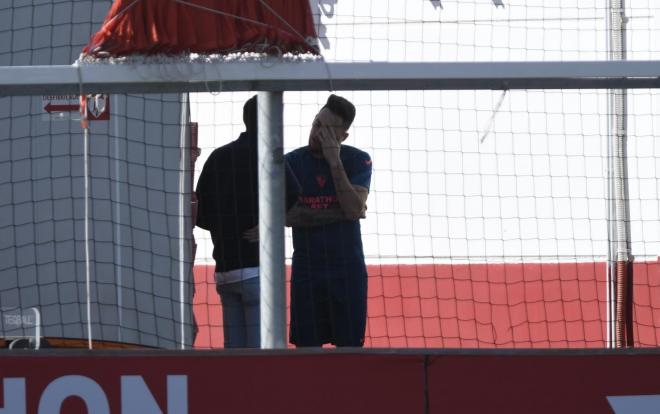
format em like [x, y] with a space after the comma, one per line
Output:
[513, 223]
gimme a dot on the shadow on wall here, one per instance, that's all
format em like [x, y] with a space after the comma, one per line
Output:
[327, 8]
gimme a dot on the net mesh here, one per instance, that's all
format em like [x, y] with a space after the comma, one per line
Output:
[476, 239]
[487, 221]
[135, 177]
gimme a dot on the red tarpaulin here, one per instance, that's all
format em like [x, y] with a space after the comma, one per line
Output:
[174, 27]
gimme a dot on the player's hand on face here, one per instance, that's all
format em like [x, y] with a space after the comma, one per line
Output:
[330, 144]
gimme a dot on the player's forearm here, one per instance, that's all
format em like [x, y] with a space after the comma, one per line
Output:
[352, 204]
[300, 216]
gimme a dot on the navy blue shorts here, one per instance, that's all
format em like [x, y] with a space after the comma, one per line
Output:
[328, 306]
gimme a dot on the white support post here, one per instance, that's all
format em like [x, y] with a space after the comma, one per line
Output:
[88, 247]
[184, 227]
[619, 208]
[271, 220]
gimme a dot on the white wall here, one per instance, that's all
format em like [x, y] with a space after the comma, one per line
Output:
[534, 189]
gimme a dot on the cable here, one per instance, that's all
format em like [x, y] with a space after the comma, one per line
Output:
[85, 125]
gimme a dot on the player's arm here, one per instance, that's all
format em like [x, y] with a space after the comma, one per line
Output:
[302, 216]
[299, 215]
[352, 198]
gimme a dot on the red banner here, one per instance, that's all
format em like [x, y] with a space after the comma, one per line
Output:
[329, 382]
[208, 383]
[544, 383]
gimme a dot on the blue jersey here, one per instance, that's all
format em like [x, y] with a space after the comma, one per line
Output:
[310, 184]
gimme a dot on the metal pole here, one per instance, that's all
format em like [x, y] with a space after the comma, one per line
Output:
[185, 229]
[610, 270]
[88, 259]
[245, 75]
[119, 265]
[271, 220]
[619, 224]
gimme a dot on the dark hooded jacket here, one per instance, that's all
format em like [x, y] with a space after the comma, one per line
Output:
[228, 196]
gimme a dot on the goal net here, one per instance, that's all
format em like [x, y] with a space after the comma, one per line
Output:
[511, 207]
[138, 243]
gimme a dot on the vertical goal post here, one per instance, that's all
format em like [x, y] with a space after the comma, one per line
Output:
[278, 76]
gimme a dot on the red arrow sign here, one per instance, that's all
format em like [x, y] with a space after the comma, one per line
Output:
[61, 108]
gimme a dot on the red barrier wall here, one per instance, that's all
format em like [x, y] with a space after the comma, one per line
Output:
[327, 382]
[531, 305]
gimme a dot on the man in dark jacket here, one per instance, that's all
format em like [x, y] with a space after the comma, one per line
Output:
[228, 196]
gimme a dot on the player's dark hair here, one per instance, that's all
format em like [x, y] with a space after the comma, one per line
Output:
[341, 107]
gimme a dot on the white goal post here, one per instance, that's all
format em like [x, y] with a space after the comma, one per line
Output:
[319, 75]
[273, 77]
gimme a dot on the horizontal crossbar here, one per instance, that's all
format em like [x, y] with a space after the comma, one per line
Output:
[318, 75]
